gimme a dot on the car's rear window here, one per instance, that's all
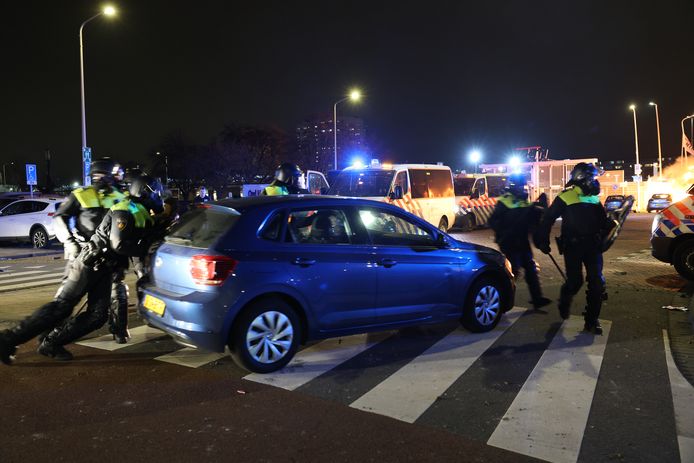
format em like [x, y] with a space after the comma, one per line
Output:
[615, 198]
[202, 227]
[661, 196]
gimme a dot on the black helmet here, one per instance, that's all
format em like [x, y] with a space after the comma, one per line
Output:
[288, 173]
[516, 185]
[102, 173]
[147, 190]
[584, 176]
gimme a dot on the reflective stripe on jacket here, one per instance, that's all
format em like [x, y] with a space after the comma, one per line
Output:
[141, 215]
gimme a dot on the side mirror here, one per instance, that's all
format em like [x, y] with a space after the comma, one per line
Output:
[441, 240]
[396, 193]
[475, 194]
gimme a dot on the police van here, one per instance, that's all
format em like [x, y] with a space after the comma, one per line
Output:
[672, 235]
[476, 196]
[425, 190]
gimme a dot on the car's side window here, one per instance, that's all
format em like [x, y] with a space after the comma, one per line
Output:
[318, 226]
[401, 181]
[20, 207]
[37, 206]
[385, 228]
[273, 227]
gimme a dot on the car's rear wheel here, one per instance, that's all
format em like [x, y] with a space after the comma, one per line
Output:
[443, 224]
[683, 259]
[39, 238]
[468, 222]
[482, 310]
[266, 336]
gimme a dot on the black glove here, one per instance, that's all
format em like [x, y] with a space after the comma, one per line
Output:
[90, 253]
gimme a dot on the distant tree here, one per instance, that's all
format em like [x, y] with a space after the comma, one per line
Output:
[246, 152]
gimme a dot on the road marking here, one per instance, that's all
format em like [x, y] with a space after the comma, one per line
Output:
[30, 284]
[682, 400]
[34, 266]
[548, 417]
[410, 391]
[318, 359]
[138, 335]
[15, 274]
[27, 278]
[190, 357]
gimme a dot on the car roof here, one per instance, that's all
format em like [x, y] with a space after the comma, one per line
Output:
[255, 201]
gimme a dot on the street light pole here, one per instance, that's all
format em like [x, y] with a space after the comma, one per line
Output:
[636, 135]
[108, 11]
[354, 95]
[637, 166]
[660, 150]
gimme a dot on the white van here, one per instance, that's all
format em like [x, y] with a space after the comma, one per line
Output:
[476, 196]
[425, 190]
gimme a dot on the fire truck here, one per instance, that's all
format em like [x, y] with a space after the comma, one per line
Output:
[476, 196]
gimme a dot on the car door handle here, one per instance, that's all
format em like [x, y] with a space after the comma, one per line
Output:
[303, 262]
[387, 263]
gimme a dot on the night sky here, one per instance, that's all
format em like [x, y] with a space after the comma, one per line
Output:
[439, 77]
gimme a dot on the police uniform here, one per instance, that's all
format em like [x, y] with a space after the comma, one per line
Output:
[512, 221]
[120, 235]
[286, 181]
[584, 222]
[88, 206]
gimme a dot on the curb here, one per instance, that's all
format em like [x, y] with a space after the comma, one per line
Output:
[681, 333]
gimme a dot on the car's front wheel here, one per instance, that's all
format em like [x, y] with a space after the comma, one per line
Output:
[39, 238]
[482, 310]
[683, 259]
[266, 336]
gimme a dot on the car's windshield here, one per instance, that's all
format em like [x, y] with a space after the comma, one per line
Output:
[362, 183]
[463, 186]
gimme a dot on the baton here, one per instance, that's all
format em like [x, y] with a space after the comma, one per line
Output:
[561, 272]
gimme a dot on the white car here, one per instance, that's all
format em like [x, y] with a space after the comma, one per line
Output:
[28, 219]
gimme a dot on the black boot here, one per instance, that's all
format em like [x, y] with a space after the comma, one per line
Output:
[541, 302]
[7, 349]
[54, 351]
[121, 337]
[593, 327]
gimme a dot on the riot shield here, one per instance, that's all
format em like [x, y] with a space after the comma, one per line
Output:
[617, 218]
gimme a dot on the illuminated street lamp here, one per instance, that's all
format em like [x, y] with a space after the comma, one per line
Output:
[106, 11]
[475, 156]
[354, 96]
[660, 151]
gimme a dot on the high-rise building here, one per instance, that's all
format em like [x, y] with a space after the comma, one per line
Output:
[315, 142]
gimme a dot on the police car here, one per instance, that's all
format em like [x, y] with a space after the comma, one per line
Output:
[672, 238]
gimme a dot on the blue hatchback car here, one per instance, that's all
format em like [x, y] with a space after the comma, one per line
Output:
[262, 275]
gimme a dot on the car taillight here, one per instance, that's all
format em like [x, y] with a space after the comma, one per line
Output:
[211, 270]
[51, 214]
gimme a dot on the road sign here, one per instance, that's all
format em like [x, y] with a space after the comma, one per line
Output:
[31, 174]
[86, 165]
[637, 169]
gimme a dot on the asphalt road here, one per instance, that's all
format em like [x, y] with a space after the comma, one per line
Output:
[532, 388]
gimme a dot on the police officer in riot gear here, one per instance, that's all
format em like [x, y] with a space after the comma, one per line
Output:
[584, 223]
[87, 206]
[513, 219]
[289, 180]
[122, 233]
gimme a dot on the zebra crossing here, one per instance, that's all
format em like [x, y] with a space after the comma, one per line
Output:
[15, 277]
[527, 386]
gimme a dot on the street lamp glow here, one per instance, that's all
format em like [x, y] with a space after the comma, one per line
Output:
[475, 156]
[355, 95]
[109, 10]
[632, 107]
[650, 103]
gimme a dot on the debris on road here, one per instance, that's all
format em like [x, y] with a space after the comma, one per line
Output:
[672, 307]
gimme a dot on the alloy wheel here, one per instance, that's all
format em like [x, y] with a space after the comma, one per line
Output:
[487, 304]
[39, 238]
[269, 337]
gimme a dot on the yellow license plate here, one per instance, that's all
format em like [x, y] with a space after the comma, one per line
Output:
[155, 305]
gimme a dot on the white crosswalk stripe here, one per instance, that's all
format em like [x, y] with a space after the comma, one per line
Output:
[138, 335]
[17, 274]
[318, 359]
[682, 400]
[12, 281]
[406, 394]
[549, 415]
